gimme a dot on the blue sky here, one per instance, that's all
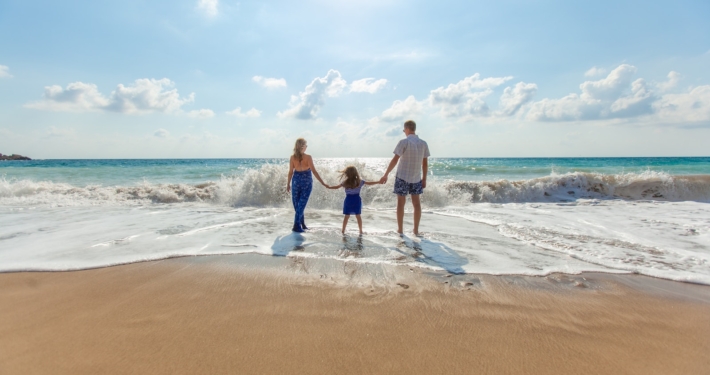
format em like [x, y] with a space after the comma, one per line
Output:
[219, 78]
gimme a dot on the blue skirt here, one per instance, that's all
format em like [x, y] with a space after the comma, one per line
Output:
[352, 205]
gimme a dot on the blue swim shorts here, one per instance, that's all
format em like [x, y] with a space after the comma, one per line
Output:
[402, 187]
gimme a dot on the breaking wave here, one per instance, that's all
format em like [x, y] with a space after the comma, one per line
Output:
[266, 187]
[648, 185]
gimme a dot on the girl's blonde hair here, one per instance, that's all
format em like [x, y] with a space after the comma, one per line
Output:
[297, 153]
[351, 177]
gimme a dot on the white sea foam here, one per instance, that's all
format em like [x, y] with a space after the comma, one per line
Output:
[266, 187]
[662, 239]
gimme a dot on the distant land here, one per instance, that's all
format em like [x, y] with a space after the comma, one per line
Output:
[13, 157]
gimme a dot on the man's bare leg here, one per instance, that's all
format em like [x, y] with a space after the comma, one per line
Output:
[401, 200]
[417, 213]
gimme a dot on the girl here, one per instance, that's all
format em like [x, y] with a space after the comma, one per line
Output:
[299, 172]
[353, 203]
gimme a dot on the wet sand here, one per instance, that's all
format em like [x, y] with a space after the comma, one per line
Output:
[213, 315]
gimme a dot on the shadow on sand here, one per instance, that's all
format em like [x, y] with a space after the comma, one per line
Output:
[433, 253]
[288, 243]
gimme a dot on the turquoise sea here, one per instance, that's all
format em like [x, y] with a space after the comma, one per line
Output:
[114, 172]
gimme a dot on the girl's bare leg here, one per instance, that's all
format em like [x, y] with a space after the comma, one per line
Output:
[359, 223]
[345, 223]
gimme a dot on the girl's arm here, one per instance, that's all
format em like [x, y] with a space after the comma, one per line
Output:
[372, 182]
[315, 173]
[290, 174]
[334, 186]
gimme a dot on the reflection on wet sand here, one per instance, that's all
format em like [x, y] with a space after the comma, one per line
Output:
[352, 247]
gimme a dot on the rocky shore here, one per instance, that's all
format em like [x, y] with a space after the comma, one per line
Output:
[13, 157]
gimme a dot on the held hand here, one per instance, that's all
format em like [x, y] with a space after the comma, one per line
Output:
[383, 180]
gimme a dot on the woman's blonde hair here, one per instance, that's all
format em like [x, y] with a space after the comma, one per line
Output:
[351, 177]
[297, 153]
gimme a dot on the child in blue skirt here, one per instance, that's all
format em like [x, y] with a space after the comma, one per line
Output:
[353, 203]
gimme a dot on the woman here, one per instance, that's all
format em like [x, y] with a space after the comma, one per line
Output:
[300, 182]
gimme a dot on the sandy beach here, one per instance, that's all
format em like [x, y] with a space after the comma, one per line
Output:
[211, 315]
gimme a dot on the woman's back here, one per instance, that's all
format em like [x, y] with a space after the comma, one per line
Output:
[301, 165]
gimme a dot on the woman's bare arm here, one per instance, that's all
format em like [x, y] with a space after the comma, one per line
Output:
[290, 175]
[313, 169]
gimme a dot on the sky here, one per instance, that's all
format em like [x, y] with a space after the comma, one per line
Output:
[241, 79]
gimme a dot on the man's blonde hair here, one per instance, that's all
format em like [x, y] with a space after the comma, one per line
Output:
[411, 125]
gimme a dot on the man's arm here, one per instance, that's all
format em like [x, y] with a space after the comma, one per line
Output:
[394, 161]
[425, 169]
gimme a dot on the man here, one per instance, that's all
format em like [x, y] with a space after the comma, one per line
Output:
[411, 173]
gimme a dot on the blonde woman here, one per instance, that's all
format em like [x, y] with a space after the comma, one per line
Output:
[300, 182]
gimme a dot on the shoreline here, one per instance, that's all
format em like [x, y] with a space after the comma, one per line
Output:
[265, 261]
[229, 314]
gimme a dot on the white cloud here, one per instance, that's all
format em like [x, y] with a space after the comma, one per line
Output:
[638, 103]
[77, 97]
[368, 85]
[612, 97]
[161, 133]
[460, 100]
[611, 86]
[208, 7]
[673, 78]
[147, 95]
[270, 83]
[402, 109]
[595, 72]
[201, 113]
[5, 71]
[250, 113]
[306, 104]
[143, 96]
[514, 98]
[693, 106]
[568, 108]
[394, 131]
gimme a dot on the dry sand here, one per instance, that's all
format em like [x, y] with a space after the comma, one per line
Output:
[211, 316]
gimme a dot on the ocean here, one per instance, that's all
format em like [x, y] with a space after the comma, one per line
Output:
[500, 216]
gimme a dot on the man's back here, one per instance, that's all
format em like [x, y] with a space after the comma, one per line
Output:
[411, 150]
